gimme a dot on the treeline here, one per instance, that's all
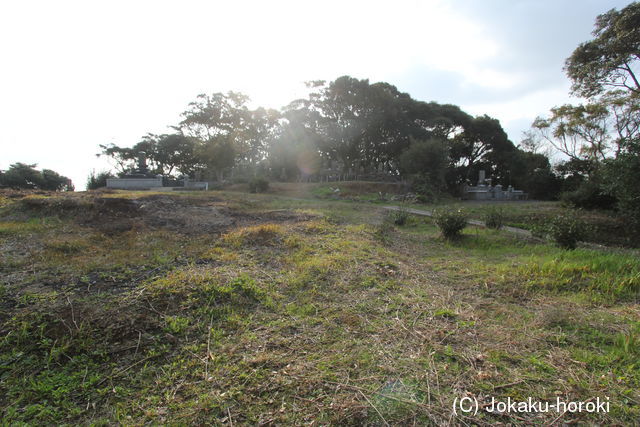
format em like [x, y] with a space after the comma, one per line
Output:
[26, 176]
[344, 128]
[600, 138]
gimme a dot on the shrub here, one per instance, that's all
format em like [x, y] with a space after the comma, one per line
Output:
[567, 231]
[385, 228]
[98, 180]
[450, 223]
[589, 196]
[258, 185]
[494, 218]
[400, 216]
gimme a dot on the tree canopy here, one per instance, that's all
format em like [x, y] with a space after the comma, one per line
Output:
[345, 127]
[600, 139]
[26, 176]
[610, 60]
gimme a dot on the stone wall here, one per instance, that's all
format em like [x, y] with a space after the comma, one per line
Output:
[133, 183]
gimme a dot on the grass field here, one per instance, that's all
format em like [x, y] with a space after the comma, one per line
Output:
[233, 309]
[603, 227]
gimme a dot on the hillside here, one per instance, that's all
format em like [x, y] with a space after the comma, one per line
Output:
[236, 309]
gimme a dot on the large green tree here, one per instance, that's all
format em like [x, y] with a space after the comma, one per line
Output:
[481, 144]
[426, 163]
[610, 60]
[22, 175]
[227, 133]
[600, 139]
[165, 155]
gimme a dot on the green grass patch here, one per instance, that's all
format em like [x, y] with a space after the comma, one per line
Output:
[605, 277]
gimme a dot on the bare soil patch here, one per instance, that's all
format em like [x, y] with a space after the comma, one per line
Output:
[187, 215]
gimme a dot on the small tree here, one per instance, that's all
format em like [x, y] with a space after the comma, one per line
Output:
[98, 180]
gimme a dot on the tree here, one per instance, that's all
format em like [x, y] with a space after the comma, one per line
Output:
[173, 153]
[218, 154]
[426, 162]
[621, 177]
[219, 114]
[600, 138]
[365, 127]
[22, 175]
[222, 125]
[482, 144]
[610, 60]
[260, 128]
[165, 154]
[295, 152]
[579, 132]
[532, 172]
[53, 181]
[98, 180]
[123, 158]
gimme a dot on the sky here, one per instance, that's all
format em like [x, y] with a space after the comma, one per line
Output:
[76, 74]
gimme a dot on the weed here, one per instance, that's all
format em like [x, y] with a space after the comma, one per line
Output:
[66, 247]
[384, 229]
[176, 324]
[604, 277]
[263, 235]
[445, 314]
[494, 218]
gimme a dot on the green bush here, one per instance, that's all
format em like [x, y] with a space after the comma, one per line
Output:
[589, 195]
[98, 180]
[450, 223]
[567, 231]
[258, 185]
[494, 218]
[384, 229]
[400, 216]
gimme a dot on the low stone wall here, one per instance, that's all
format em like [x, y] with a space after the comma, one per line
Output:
[133, 183]
[493, 193]
[196, 185]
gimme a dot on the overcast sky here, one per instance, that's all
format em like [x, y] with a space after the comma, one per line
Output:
[76, 74]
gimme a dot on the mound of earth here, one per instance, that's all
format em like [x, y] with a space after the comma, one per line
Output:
[188, 215]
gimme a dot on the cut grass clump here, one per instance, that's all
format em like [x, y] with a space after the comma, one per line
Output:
[445, 313]
[315, 272]
[259, 235]
[195, 287]
[66, 247]
[11, 228]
